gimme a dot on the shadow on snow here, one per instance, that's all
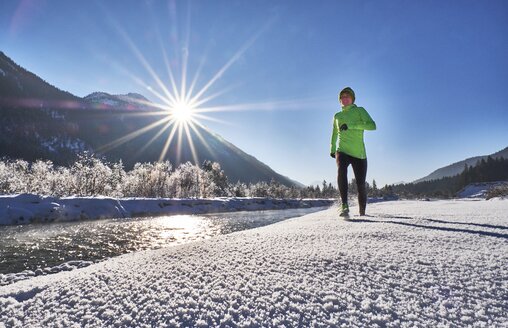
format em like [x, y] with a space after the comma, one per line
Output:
[476, 232]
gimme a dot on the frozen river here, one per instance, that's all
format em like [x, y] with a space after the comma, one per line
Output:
[42, 247]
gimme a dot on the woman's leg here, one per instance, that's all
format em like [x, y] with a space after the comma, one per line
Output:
[360, 170]
[342, 164]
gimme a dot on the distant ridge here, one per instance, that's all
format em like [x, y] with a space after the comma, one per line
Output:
[458, 167]
[18, 83]
[130, 101]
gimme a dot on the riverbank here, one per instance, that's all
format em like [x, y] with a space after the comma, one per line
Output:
[29, 208]
[407, 264]
[32, 250]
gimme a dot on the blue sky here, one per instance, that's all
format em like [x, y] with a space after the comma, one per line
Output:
[432, 74]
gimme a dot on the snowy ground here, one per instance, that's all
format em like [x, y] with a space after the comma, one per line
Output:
[408, 264]
[479, 189]
[29, 208]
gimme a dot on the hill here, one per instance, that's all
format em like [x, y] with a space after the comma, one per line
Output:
[458, 167]
[489, 170]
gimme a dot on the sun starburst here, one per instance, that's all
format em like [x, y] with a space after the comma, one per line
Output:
[182, 106]
[182, 112]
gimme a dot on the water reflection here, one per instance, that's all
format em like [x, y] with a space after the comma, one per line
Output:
[179, 227]
[34, 246]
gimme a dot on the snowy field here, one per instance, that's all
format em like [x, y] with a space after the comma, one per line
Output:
[29, 208]
[408, 264]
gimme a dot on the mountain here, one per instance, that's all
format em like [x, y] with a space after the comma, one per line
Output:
[458, 167]
[40, 121]
[21, 88]
[130, 101]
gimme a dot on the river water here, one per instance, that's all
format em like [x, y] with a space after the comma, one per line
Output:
[40, 247]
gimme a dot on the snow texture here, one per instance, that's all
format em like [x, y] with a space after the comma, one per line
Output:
[29, 208]
[9, 278]
[408, 264]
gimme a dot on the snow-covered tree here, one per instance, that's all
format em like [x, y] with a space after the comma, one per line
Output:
[90, 175]
[293, 193]
[116, 180]
[61, 182]
[276, 189]
[5, 174]
[149, 180]
[213, 180]
[259, 189]
[220, 179]
[186, 178]
[39, 177]
[18, 181]
[136, 181]
[239, 189]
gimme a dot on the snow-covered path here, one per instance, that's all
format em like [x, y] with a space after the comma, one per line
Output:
[409, 264]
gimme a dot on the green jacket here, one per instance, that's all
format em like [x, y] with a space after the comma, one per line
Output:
[351, 140]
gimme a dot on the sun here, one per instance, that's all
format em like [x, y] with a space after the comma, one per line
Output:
[182, 112]
[181, 104]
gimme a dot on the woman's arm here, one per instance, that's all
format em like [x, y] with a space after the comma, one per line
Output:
[335, 133]
[365, 123]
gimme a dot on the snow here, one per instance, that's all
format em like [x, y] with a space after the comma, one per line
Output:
[9, 278]
[407, 264]
[128, 101]
[2, 72]
[132, 98]
[29, 208]
[479, 190]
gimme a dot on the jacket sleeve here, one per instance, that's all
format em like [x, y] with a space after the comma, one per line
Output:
[365, 123]
[335, 133]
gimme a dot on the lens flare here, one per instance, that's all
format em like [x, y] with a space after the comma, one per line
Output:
[182, 106]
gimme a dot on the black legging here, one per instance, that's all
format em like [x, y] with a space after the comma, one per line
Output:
[360, 170]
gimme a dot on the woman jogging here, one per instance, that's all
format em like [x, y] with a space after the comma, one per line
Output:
[348, 125]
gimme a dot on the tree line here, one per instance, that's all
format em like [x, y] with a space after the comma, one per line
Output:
[489, 170]
[93, 176]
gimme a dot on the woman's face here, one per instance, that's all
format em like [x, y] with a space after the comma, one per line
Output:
[346, 99]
